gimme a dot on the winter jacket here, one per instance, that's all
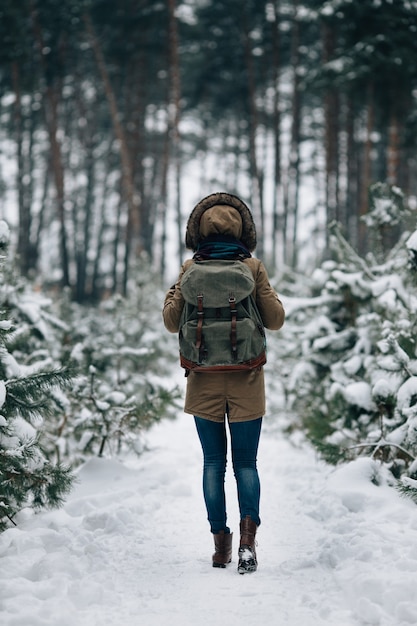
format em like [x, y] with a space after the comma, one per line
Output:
[240, 395]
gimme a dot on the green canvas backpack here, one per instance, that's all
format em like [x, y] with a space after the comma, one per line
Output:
[220, 329]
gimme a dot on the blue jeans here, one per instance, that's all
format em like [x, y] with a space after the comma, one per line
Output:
[244, 439]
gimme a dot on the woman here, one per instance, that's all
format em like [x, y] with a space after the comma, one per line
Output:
[221, 226]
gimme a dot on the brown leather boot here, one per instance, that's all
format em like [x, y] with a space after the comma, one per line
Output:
[247, 552]
[223, 549]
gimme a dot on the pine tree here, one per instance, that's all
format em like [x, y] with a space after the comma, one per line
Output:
[27, 478]
[355, 383]
[119, 350]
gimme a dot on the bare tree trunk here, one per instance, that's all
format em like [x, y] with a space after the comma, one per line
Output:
[82, 210]
[163, 203]
[23, 243]
[291, 188]
[331, 122]
[56, 151]
[175, 109]
[95, 275]
[236, 173]
[255, 174]
[278, 202]
[45, 190]
[404, 176]
[83, 289]
[393, 150]
[58, 172]
[352, 182]
[128, 188]
[136, 80]
[366, 172]
[391, 234]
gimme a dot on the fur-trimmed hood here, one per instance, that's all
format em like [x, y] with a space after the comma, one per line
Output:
[219, 199]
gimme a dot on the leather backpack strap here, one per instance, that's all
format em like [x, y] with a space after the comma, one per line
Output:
[233, 330]
[200, 317]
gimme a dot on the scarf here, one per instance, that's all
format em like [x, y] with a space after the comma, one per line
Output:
[221, 247]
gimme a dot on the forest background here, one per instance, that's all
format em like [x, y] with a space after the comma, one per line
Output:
[115, 121]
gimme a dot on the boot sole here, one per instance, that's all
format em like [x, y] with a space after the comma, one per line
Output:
[221, 565]
[247, 570]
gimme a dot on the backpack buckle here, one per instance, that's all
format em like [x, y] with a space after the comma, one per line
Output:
[200, 317]
[233, 330]
[232, 304]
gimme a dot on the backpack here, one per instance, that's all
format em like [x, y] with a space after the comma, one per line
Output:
[221, 328]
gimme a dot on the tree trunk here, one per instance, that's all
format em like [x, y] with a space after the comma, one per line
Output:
[352, 182]
[83, 284]
[175, 108]
[96, 288]
[51, 102]
[84, 213]
[163, 204]
[136, 81]
[331, 123]
[128, 188]
[293, 176]
[278, 203]
[366, 172]
[25, 221]
[255, 175]
[393, 149]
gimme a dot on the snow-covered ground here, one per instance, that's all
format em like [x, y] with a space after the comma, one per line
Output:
[131, 546]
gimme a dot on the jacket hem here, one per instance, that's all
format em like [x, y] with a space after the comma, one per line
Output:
[217, 418]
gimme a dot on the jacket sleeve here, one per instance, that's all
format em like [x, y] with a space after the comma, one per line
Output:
[269, 305]
[174, 304]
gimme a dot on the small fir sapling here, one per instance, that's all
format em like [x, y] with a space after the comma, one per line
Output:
[123, 385]
[367, 335]
[27, 478]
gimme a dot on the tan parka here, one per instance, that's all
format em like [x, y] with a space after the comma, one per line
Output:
[240, 395]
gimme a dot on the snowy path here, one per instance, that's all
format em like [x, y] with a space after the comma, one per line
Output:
[132, 547]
